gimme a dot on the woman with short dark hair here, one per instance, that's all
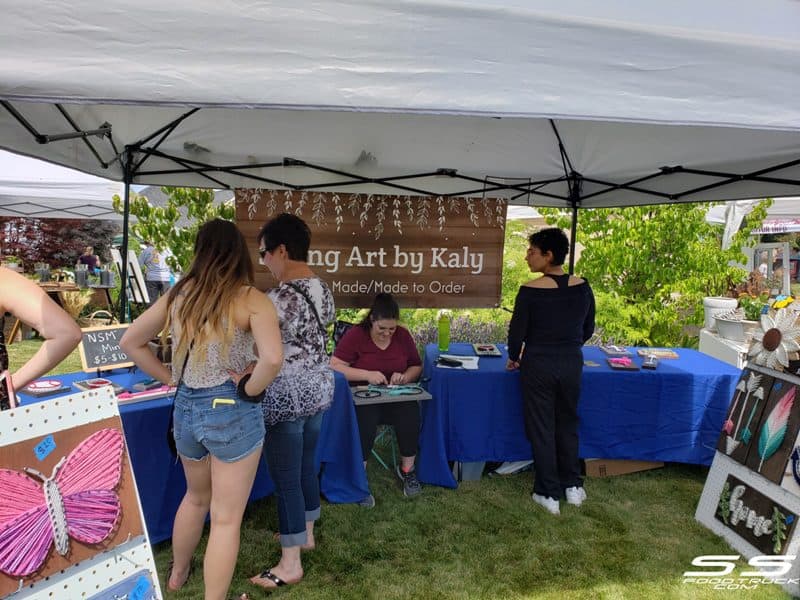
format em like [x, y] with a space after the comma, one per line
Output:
[553, 317]
[296, 400]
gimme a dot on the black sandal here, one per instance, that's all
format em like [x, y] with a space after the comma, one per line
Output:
[270, 576]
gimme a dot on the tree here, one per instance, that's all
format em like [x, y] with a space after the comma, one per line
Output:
[57, 242]
[651, 266]
[160, 224]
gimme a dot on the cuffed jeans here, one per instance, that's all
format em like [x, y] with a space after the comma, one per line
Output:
[290, 450]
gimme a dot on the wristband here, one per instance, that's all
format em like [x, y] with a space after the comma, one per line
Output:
[243, 395]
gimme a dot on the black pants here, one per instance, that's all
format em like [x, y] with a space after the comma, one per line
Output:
[551, 387]
[403, 416]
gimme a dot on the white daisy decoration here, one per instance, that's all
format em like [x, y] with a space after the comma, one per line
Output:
[776, 339]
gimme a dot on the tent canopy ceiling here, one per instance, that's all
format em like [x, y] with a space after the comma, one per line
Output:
[538, 101]
[32, 188]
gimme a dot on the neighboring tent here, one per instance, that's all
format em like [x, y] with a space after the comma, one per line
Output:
[568, 103]
[36, 189]
[782, 217]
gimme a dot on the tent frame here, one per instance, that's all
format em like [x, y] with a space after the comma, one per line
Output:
[134, 156]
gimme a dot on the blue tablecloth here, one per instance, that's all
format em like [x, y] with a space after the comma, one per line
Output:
[674, 413]
[160, 478]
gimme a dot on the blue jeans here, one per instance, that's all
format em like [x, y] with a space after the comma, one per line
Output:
[290, 450]
[228, 430]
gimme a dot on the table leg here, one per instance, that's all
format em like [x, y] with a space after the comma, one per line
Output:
[14, 331]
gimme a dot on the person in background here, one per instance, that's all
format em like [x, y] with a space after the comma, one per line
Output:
[158, 276]
[379, 351]
[553, 317]
[25, 300]
[90, 259]
[296, 400]
[215, 318]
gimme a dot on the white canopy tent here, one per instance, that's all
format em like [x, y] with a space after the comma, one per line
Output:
[33, 188]
[567, 103]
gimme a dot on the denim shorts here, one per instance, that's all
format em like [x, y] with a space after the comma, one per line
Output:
[227, 431]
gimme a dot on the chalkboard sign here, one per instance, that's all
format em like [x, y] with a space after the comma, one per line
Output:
[100, 349]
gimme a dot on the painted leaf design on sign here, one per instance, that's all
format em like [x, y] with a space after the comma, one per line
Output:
[774, 429]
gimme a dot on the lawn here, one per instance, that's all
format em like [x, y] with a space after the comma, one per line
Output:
[632, 539]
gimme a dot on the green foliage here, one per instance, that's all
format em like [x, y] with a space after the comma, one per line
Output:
[779, 531]
[159, 224]
[752, 306]
[651, 266]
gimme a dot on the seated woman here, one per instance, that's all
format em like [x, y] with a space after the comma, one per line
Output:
[25, 300]
[378, 351]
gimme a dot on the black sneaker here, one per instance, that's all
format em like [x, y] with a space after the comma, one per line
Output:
[367, 502]
[411, 485]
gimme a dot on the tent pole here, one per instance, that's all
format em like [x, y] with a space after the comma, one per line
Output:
[123, 292]
[573, 231]
[575, 182]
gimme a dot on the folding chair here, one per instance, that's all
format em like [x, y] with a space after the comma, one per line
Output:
[385, 436]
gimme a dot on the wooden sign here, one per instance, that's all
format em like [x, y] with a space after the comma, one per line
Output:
[755, 517]
[99, 348]
[428, 252]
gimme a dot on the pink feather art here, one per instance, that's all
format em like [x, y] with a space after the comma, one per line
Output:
[774, 429]
[78, 500]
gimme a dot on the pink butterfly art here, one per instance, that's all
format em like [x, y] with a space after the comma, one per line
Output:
[78, 500]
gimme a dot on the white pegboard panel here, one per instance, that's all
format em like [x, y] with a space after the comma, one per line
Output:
[721, 467]
[65, 412]
[108, 568]
[102, 571]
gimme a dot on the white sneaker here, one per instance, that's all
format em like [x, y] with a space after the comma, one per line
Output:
[550, 504]
[576, 495]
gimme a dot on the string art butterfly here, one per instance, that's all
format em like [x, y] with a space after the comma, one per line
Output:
[77, 500]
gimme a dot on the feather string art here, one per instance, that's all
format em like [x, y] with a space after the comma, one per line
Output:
[77, 500]
[774, 429]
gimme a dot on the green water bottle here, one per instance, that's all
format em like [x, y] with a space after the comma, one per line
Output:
[444, 332]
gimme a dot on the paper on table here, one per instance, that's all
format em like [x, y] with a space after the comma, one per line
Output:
[467, 362]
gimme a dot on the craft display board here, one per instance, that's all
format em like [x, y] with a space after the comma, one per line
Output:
[99, 348]
[751, 497]
[65, 475]
[137, 290]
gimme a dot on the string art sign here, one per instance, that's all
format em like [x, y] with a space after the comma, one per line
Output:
[69, 508]
[78, 499]
[750, 497]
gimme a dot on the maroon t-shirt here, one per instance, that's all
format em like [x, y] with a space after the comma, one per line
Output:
[358, 350]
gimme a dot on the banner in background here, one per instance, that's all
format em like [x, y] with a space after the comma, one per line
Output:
[428, 252]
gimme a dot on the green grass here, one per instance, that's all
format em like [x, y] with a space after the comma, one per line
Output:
[632, 539]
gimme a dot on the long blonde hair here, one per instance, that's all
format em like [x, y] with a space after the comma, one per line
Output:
[220, 268]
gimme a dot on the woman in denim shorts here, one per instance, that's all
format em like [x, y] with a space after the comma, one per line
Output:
[215, 318]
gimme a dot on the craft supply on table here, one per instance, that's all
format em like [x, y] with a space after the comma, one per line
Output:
[622, 363]
[658, 352]
[614, 350]
[486, 350]
[44, 387]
